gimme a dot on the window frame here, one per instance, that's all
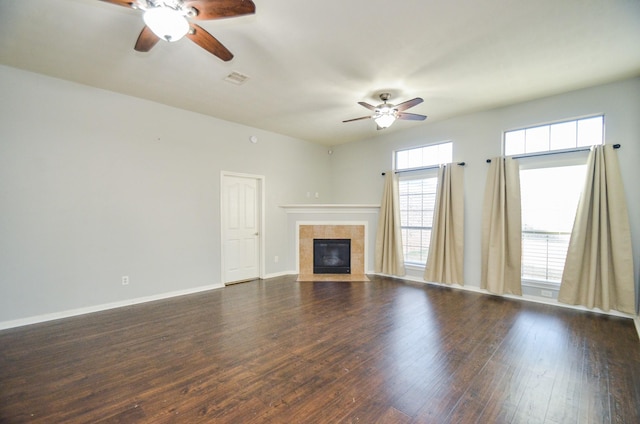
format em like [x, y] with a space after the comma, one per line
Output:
[417, 175]
[420, 172]
[573, 158]
[555, 158]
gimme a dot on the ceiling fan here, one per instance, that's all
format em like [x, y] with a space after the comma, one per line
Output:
[169, 20]
[386, 114]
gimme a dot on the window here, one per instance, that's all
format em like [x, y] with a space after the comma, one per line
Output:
[417, 192]
[549, 201]
[559, 136]
[417, 202]
[550, 190]
[424, 156]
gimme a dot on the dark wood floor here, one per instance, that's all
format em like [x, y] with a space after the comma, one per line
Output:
[280, 351]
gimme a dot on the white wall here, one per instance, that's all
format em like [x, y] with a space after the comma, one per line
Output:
[95, 185]
[477, 137]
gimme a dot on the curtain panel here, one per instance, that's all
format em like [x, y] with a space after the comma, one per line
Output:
[502, 229]
[389, 257]
[598, 271]
[445, 261]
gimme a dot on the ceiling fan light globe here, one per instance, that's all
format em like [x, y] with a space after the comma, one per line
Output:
[385, 121]
[167, 23]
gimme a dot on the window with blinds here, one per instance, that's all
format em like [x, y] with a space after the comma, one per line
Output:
[550, 188]
[417, 202]
[417, 170]
[549, 200]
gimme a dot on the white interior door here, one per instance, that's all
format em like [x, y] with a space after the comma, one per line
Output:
[241, 219]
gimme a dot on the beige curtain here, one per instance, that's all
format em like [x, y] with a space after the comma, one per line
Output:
[446, 248]
[389, 257]
[501, 229]
[598, 271]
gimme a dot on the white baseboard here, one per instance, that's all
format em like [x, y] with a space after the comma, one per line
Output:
[103, 307]
[279, 274]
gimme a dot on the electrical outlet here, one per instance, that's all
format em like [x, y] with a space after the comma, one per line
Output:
[125, 280]
[546, 293]
[276, 259]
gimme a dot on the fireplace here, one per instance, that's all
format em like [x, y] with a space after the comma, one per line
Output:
[354, 231]
[332, 256]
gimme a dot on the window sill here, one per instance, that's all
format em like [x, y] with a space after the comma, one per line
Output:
[541, 284]
[414, 266]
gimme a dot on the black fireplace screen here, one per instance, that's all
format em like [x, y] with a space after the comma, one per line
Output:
[332, 256]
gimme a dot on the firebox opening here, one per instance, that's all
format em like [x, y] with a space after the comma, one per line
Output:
[332, 256]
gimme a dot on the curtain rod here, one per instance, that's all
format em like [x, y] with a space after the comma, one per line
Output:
[615, 146]
[424, 168]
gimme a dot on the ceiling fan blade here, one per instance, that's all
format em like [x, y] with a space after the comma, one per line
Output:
[367, 105]
[209, 43]
[146, 40]
[409, 103]
[411, 116]
[215, 9]
[125, 3]
[357, 119]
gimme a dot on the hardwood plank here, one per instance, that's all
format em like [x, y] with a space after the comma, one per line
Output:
[282, 351]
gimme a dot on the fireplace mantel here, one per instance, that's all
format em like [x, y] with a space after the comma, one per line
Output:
[331, 208]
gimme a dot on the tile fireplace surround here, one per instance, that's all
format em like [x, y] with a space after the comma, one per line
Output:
[354, 232]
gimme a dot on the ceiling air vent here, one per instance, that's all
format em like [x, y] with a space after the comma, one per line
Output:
[236, 78]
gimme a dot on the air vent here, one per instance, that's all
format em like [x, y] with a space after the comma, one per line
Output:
[236, 78]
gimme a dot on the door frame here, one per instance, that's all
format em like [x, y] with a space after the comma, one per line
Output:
[260, 184]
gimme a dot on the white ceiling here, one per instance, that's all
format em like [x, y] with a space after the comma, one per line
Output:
[310, 62]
